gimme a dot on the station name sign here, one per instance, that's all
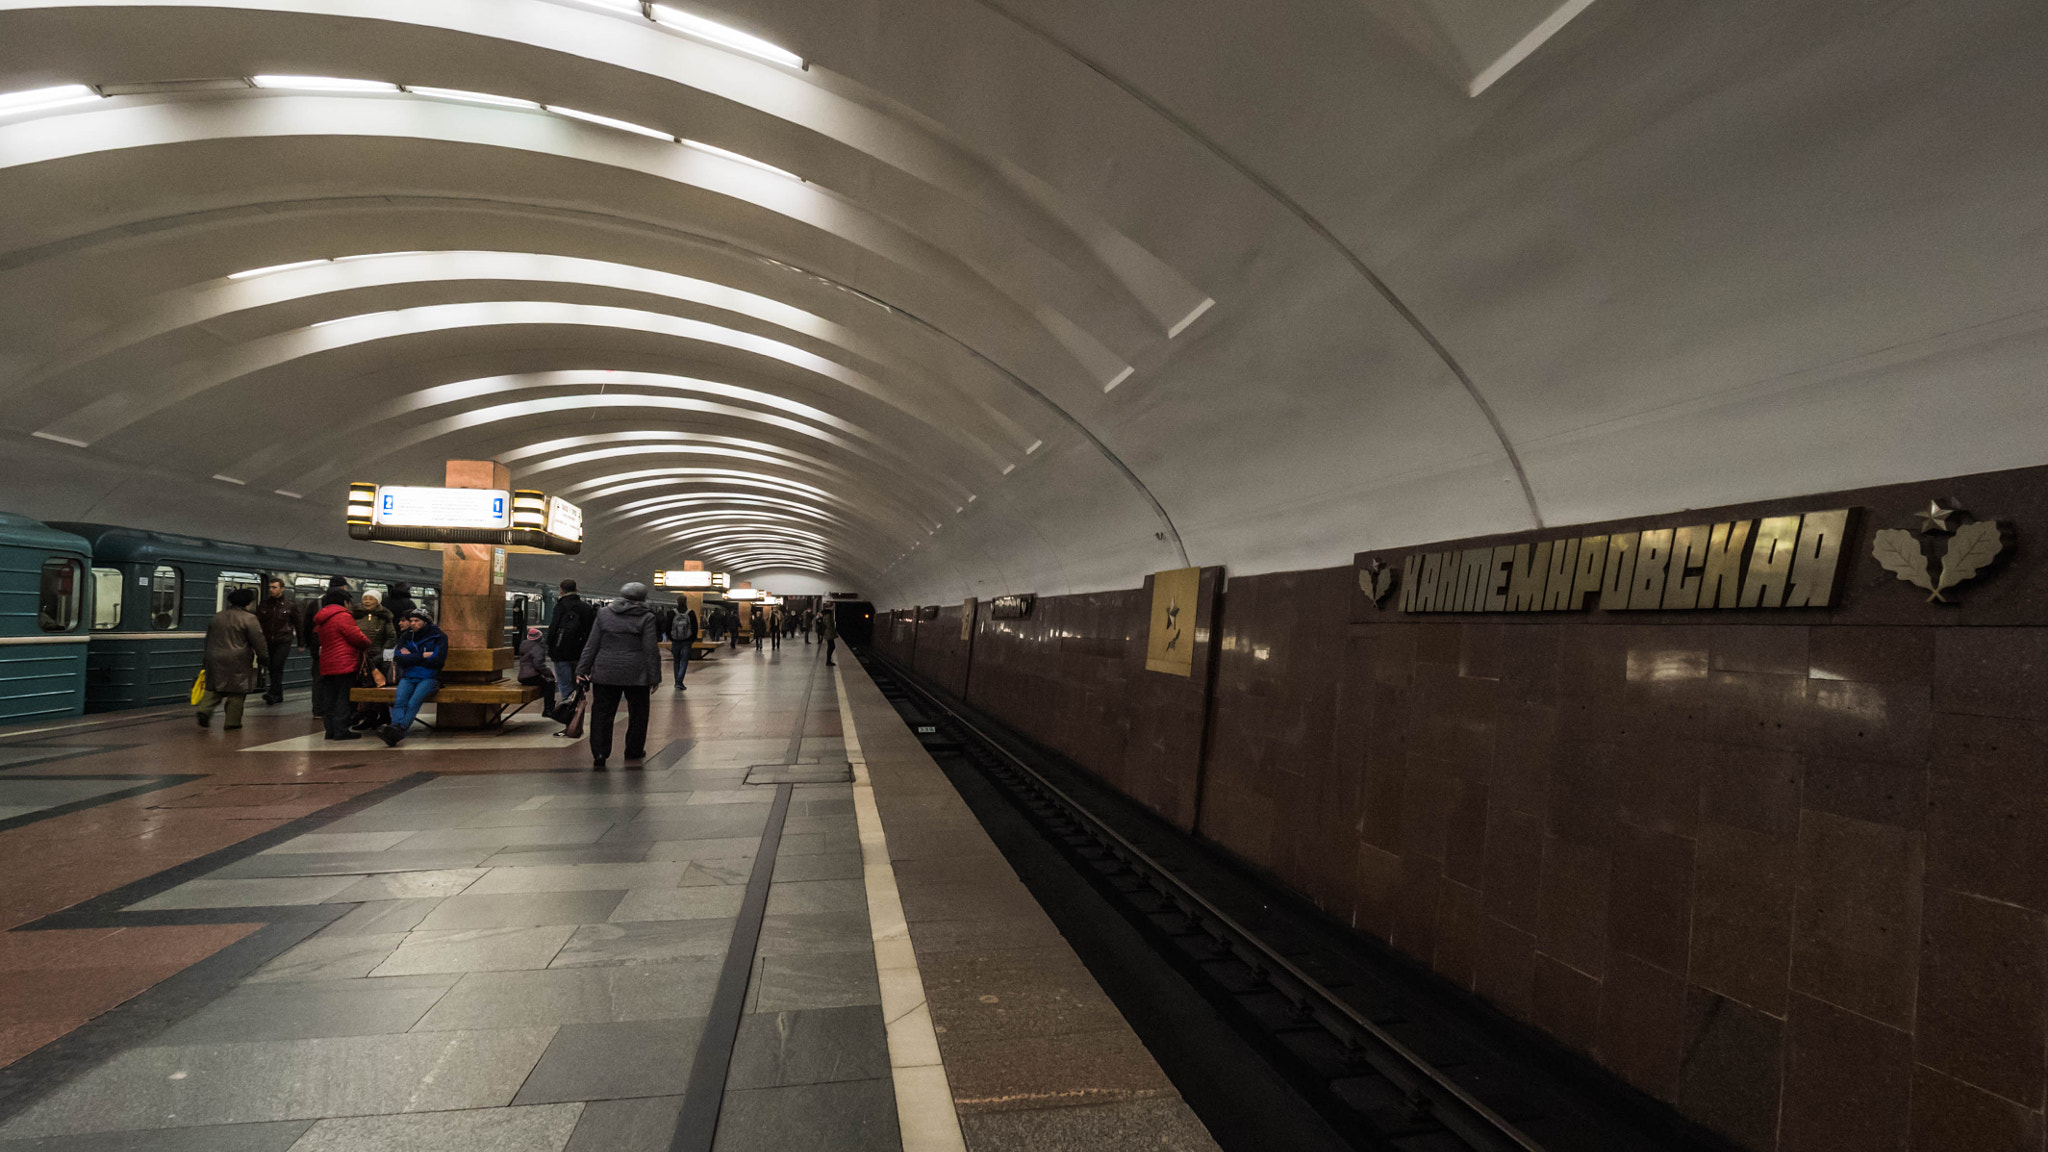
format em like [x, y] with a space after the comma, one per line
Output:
[1774, 562]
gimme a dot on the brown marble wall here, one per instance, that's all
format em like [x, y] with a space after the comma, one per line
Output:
[942, 655]
[1785, 870]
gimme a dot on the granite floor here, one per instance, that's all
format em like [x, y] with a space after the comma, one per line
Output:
[511, 952]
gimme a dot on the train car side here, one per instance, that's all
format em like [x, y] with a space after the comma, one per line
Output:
[45, 601]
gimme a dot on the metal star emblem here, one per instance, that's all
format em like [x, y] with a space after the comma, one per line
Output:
[1935, 519]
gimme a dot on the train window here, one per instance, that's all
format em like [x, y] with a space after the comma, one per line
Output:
[430, 599]
[229, 581]
[106, 599]
[166, 598]
[63, 588]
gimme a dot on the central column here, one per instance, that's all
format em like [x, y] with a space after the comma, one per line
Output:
[473, 606]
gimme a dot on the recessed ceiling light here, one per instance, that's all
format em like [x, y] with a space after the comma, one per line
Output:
[472, 97]
[725, 37]
[749, 161]
[42, 99]
[276, 268]
[323, 84]
[607, 121]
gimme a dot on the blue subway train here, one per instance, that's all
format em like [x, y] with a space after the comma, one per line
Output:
[97, 618]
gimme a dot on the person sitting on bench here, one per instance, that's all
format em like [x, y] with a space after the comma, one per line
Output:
[422, 649]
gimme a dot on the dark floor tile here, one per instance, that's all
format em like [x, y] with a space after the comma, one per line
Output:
[1000, 1074]
[1015, 993]
[1848, 1082]
[1951, 1116]
[1154, 1125]
[614, 1061]
[809, 1047]
[848, 1116]
[647, 1124]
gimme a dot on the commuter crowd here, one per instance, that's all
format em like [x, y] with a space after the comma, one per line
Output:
[589, 659]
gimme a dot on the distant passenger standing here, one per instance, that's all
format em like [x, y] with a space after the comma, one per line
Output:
[810, 621]
[422, 650]
[234, 643]
[401, 602]
[340, 655]
[828, 630]
[623, 658]
[682, 634]
[757, 623]
[283, 626]
[567, 633]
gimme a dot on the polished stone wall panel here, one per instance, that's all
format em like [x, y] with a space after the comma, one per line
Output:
[1785, 870]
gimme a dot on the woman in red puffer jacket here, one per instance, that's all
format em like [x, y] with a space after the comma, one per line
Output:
[341, 654]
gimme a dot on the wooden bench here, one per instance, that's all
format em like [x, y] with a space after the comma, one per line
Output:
[699, 649]
[504, 694]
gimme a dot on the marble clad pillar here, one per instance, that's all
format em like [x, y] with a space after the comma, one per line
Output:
[473, 605]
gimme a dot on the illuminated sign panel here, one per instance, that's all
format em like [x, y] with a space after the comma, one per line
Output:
[565, 520]
[401, 507]
[418, 517]
[679, 578]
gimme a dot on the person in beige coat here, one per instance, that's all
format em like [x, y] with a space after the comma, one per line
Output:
[234, 645]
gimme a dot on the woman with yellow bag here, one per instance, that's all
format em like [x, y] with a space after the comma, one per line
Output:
[234, 644]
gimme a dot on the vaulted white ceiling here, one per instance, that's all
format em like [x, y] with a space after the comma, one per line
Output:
[933, 299]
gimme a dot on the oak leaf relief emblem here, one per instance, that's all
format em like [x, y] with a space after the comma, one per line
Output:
[1973, 546]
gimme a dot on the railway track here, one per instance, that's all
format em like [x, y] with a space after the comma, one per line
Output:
[1372, 1059]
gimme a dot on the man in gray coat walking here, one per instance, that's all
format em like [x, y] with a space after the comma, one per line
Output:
[621, 658]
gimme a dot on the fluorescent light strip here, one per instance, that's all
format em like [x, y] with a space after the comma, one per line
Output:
[44, 99]
[323, 84]
[277, 268]
[608, 122]
[725, 37]
[472, 97]
[749, 161]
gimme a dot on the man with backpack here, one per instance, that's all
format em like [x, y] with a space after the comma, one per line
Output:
[568, 632]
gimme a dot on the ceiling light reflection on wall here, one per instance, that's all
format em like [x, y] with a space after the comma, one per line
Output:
[749, 161]
[44, 99]
[323, 84]
[472, 97]
[694, 25]
[608, 122]
[276, 268]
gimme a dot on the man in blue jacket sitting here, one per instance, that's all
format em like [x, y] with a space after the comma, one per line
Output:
[422, 649]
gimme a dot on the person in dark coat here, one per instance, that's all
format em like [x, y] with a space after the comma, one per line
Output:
[380, 628]
[341, 655]
[828, 630]
[621, 659]
[284, 625]
[235, 643]
[422, 650]
[567, 633]
[400, 602]
[682, 632]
